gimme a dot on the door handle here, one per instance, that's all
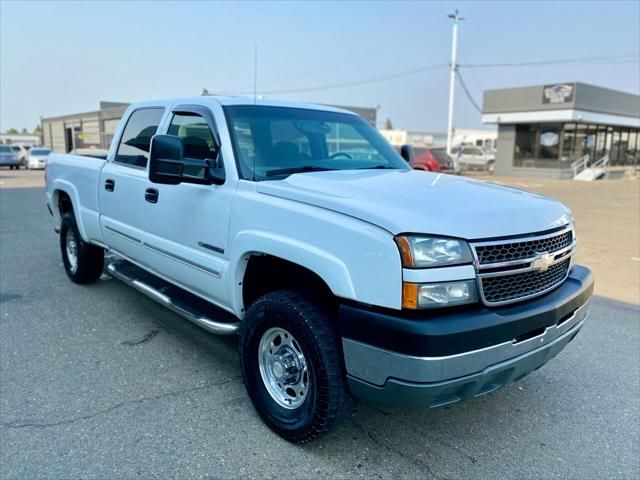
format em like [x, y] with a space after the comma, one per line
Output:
[151, 195]
[109, 185]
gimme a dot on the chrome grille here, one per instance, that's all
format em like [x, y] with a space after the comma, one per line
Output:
[509, 287]
[518, 269]
[518, 250]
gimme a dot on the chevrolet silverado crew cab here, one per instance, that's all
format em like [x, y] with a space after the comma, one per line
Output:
[345, 273]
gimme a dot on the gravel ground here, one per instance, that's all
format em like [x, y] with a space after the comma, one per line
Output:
[100, 382]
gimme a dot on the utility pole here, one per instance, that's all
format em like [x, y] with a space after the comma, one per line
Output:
[452, 80]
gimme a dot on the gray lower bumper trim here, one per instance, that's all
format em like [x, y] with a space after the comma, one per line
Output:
[375, 365]
[398, 393]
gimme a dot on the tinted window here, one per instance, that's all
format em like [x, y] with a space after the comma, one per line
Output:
[4, 149]
[136, 138]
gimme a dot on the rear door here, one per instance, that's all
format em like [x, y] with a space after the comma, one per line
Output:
[186, 225]
[123, 181]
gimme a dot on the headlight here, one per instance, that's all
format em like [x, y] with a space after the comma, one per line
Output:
[421, 252]
[434, 295]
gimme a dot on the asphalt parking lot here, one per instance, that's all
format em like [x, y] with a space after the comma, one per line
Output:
[100, 382]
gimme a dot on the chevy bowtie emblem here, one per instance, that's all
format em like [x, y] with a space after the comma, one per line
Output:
[542, 261]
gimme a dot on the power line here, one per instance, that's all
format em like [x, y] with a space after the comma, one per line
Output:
[597, 59]
[464, 56]
[349, 60]
[352, 83]
[468, 94]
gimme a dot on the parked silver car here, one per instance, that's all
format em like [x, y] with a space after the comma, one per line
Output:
[475, 158]
[8, 157]
[38, 158]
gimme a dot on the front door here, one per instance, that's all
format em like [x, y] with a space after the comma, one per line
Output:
[186, 225]
[122, 184]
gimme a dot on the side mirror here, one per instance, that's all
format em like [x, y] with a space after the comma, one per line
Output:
[168, 166]
[406, 152]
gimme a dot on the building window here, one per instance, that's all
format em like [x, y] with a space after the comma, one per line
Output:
[525, 149]
[549, 142]
[557, 145]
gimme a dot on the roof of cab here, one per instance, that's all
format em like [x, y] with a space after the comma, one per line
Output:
[222, 100]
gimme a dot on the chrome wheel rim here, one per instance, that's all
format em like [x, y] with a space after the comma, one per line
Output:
[283, 368]
[72, 250]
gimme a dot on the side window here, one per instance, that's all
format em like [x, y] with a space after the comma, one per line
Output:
[195, 134]
[197, 139]
[136, 139]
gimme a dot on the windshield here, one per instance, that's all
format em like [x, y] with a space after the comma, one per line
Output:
[4, 149]
[274, 142]
[40, 151]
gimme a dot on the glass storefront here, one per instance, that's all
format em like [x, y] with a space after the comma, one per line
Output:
[557, 145]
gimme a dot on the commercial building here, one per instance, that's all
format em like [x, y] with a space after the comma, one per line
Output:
[20, 139]
[94, 130]
[543, 129]
[480, 138]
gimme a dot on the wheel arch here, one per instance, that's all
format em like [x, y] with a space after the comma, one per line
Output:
[64, 199]
[288, 257]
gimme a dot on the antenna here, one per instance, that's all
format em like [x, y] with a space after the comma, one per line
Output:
[255, 73]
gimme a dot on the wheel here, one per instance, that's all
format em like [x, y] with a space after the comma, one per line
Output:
[83, 262]
[293, 366]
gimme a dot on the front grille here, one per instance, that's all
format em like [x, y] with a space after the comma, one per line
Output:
[504, 288]
[514, 270]
[520, 250]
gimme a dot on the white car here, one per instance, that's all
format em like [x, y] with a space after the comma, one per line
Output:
[22, 151]
[346, 273]
[475, 158]
[37, 158]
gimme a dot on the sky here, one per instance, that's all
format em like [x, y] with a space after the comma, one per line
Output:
[58, 58]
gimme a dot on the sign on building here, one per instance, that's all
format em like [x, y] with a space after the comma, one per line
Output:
[559, 93]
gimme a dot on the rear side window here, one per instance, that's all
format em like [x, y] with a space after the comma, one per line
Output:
[135, 143]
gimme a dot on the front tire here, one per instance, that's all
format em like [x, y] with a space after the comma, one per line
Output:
[83, 262]
[293, 366]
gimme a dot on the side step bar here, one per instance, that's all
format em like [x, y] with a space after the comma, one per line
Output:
[174, 298]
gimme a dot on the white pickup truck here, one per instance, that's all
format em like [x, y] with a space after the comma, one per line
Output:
[345, 273]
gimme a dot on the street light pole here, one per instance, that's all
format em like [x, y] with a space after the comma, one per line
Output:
[452, 79]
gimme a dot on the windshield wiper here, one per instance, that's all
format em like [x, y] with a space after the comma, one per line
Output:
[290, 170]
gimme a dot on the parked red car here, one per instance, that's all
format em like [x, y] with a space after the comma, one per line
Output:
[432, 160]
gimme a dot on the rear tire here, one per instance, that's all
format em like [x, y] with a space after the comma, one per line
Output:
[83, 262]
[311, 397]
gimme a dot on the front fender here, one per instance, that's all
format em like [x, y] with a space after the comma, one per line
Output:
[326, 265]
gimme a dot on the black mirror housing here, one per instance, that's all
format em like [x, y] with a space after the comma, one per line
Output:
[168, 166]
[406, 152]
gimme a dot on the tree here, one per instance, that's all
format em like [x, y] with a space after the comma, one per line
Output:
[24, 131]
[12, 131]
[388, 125]
[37, 130]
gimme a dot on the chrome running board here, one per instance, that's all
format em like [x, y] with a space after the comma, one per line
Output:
[174, 298]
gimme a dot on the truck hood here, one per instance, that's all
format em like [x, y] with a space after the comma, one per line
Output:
[419, 202]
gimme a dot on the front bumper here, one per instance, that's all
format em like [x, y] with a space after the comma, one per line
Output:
[444, 357]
